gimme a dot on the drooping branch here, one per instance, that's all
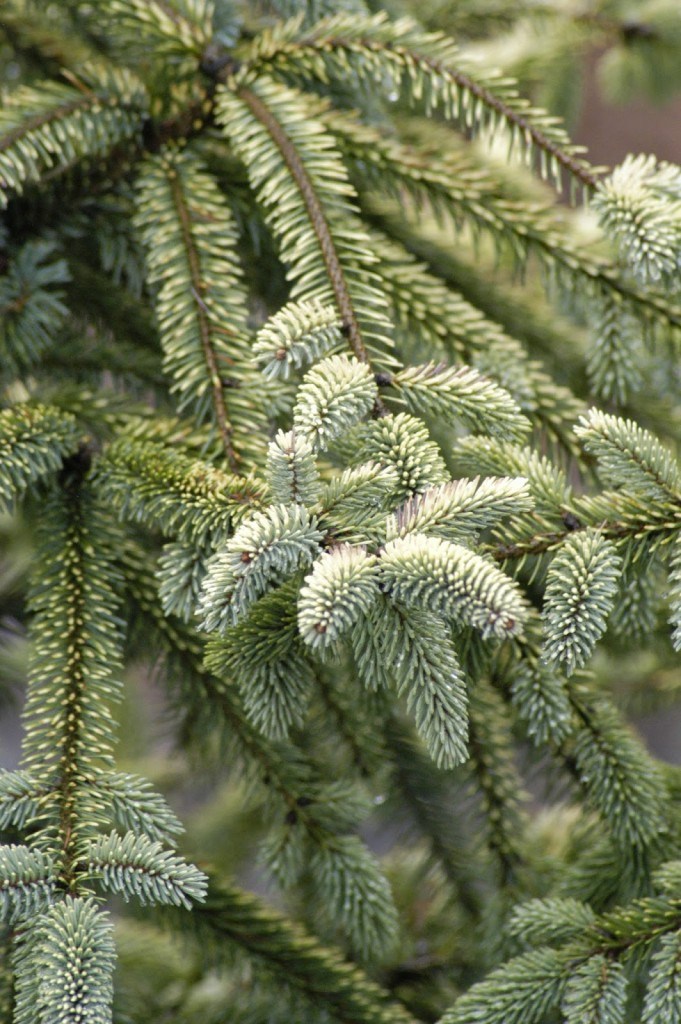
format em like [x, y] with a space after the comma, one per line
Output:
[317, 217]
[198, 288]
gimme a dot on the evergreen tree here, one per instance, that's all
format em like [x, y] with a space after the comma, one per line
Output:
[319, 402]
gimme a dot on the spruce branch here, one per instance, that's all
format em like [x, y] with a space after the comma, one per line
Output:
[427, 794]
[606, 760]
[50, 126]
[354, 720]
[428, 307]
[19, 798]
[34, 439]
[170, 29]
[6, 975]
[298, 334]
[358, 894]
[190, 240]
[596, 992]
[168, 489]
[545, 977]
[341, 588]
[355, 502]
[620, 779]
[588, 736]
[586, 281]
[663, 995]
[550, 921]
[184, 653]
[634, 617]
[317, 811]
[292, 473]
[580, 593]
[264, 551]
[181, 572]
[413, 650]
[335, 394]
[497, 780]
[617, 516]
[137, 808]
[364, 907]
[45, 41]
[522, 991]
[376, 643]
[460, 187]
[462, 393]
[31, 307]
[74, 662]
[627, 454]
[309, 206]
[430, 71]
[614, 361]
[292, 954]
[428, 673]
[452, 581]
[264, 656]
[207, 344]
[631, 456]
[136, 866]
[402, 442]
[644, 216]
[258, 225]
[27, 883]
[318, 220]
[72, 946]
[461, 509]
[540, 698]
